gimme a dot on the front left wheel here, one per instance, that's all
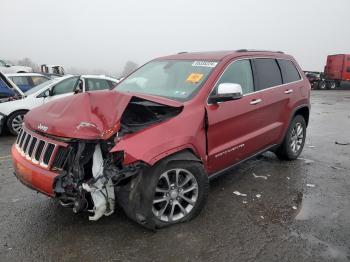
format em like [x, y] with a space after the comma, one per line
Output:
[166, 194]
[180, 193]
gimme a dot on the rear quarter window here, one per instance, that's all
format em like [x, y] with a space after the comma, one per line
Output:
[289, 71]
[267, 73]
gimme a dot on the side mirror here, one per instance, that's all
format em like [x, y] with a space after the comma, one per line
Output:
[226, 92]
[7, 65]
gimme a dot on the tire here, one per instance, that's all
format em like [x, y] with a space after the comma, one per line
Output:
[294, 140]
[14, 122]
[165, 201]
[322, 85]
[331, 85]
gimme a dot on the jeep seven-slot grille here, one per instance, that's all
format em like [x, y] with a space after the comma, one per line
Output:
[38, 150]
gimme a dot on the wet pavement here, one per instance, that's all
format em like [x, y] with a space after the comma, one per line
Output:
[293, 211]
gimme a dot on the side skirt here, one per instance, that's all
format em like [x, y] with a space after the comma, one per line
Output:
[227, 169]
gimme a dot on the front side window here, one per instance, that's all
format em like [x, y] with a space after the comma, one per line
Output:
[174, 79]
[239, 72]
[289, 71]
[348, 69]
[65, 86]
[267, 72]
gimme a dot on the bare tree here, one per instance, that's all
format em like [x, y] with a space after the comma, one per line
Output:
[129, 67]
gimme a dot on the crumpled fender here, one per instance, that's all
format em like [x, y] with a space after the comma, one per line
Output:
[185, 131]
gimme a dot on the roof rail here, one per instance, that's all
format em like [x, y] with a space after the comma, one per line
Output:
[184, 52]
[256, 50]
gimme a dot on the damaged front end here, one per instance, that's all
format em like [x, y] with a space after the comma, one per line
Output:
[89, 177]
[92, 173]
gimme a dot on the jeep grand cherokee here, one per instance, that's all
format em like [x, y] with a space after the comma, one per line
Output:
[153, 142]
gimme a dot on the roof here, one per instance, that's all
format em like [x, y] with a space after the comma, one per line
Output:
[218, 55]
[24, 74]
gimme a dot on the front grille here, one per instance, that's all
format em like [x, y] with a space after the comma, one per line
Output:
[40, 151]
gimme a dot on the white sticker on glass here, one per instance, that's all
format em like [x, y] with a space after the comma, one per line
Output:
[204, 63]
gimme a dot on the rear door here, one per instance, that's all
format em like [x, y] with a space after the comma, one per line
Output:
[277, 83]
[234, 127]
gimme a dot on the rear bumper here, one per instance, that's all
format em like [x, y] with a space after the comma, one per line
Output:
[31, 175]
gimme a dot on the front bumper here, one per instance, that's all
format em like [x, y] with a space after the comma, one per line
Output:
[31, 175]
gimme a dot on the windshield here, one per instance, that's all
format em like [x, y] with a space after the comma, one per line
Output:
[177, 80]
[39, 87]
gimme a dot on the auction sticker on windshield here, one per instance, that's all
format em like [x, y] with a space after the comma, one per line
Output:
[204, 63]
[194, 78]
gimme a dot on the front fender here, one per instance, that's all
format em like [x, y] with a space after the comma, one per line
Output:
[186, 131]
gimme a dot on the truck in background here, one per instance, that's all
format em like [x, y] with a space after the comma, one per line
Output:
[53, 70]
[336, 72]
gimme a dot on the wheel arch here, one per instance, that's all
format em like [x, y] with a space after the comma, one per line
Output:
[304, 111]
[18, 110]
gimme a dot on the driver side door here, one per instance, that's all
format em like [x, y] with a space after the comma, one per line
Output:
[62, 89]
[233, 126]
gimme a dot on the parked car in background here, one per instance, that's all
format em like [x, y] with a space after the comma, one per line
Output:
[13, 110]
[315, 78]
[26, 81]
[153, 142]
[8, 68]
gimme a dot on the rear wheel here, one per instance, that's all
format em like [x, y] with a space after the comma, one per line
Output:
[294, 140]
[15, 121]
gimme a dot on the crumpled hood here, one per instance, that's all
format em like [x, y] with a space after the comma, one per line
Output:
[90, 115]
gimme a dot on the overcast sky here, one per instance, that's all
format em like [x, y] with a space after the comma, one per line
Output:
[105, 34]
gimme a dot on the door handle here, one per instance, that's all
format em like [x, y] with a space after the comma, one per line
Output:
[255, 101]
[288, 91]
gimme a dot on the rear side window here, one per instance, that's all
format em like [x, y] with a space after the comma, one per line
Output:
[37, 80]
[289, 71]
[20, 80]
[267, 73]
[93, 84]
[348, 69]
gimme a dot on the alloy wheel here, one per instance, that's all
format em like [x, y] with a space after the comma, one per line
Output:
[175, 196]
[297, 136]
[17, 123]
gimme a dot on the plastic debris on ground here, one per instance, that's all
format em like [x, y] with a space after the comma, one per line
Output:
[306, 161]
[342, 143]
[239, 193]
[294, 207]
[288, 177]
[258, 195]
[337, 167]
[311, 146]
[262, 217]
[310, 185]
[263, 177]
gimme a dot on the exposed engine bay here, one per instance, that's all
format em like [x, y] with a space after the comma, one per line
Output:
[91, 174]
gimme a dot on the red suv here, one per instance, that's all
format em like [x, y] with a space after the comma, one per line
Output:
[154, 142]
